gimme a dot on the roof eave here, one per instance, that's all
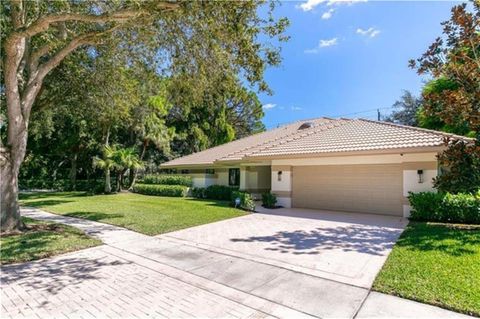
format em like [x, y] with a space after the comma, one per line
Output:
[173, 165]
[424, 149]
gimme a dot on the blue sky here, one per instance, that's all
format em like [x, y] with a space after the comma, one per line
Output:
[345, 58]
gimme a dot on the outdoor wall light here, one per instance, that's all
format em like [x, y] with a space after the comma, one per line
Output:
[420, 175]
[279, 176]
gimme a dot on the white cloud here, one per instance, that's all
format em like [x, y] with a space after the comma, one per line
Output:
[348, 2]
[370, 32]
[311, 4]
[323, 44]
[268, 106]
[328, 43]
[327, 14]
[296, 108]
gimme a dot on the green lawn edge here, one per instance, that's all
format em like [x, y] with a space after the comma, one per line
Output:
[149, 215]
[436, 264]
[34, 244]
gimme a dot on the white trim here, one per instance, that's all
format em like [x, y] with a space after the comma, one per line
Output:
[359, 159]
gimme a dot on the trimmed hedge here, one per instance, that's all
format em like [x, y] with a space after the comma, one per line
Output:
[246, 200]
[161, 190]
[219, 192]
[198, 192]
[164, 179]
[445, 207]
[269, 200]
[92, 186]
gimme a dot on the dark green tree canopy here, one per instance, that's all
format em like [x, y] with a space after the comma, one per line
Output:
[202, 39]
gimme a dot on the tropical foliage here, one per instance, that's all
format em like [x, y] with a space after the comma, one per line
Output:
[451, 99]
[77, 77]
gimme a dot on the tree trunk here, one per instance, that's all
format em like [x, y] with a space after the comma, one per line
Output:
[108, 186]
[132, 178]
[10, 212]
[73, 171]
[134, 171]
[120, 175]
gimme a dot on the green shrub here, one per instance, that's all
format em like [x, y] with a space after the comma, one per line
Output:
[198, 192]
[92, 186]
[164, 179]
[161, 190]
[219, 192]
[445, 207]
[246, 200]
[269, 200]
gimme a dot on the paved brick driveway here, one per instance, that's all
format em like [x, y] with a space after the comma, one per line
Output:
[186, 274]
[345, 247]
[97, 282]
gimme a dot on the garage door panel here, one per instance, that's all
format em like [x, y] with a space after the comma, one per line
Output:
[357, 188]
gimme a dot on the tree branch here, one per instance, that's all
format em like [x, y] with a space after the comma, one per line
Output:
[43, 23]
[36, 78]
[35, 57]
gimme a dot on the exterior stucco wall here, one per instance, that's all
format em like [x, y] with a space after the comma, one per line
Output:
[411, 182]
[282, 185]
[222, 176]
[203, 180]
[258, 179]
[411, 163]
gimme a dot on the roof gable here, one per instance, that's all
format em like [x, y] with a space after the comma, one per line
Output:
[323, 135]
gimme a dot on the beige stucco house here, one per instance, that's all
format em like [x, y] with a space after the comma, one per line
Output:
[354, 165]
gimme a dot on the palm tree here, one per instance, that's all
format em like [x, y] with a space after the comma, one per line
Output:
[106, 163]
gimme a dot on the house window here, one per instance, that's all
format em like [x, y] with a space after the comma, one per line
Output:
[234, 177]
[185, 171]
[209, 171]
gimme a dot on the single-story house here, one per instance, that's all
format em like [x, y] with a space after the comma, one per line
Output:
[354, 165]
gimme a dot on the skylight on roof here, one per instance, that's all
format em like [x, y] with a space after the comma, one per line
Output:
[306, 125]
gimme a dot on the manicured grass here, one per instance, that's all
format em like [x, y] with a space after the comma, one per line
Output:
[42, 239]
[438, 264]
[151, 215]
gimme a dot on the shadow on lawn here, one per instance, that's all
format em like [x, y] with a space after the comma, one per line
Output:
[34, 243]
[47, 202]
[370, 240]
[40, 195]
[95, 216]
[440, 237]
[211, 202]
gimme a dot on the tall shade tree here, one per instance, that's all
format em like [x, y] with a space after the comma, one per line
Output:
[452, 97]
[179, 36]
[454, 63]
[406, 109]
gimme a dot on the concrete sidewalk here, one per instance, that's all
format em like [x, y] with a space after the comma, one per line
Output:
[138, 275]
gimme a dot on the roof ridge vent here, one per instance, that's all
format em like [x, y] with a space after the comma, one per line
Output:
[306, 125]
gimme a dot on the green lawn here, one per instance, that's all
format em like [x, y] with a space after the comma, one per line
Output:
[42, 239]
[437, 264]
[151, 215]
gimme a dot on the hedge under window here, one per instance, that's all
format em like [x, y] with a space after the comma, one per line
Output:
[234, 177]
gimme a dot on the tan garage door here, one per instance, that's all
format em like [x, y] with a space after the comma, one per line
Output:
[356, 188]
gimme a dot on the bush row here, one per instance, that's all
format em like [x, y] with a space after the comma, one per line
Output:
[163, 179]
[269, 200]
[245, 200]
[93, 186]
[218, 192]
[445, 207]
[161, 190]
